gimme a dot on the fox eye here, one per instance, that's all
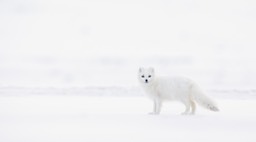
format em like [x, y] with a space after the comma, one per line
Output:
[149, 76]
[142, 76]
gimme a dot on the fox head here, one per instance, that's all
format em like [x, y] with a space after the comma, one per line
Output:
[146, 75]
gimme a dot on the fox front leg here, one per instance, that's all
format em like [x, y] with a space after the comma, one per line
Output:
[157, 107]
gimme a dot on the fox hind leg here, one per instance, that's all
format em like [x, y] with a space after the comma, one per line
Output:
[193, 107]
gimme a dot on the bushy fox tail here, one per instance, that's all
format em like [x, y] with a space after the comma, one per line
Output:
[202, 99]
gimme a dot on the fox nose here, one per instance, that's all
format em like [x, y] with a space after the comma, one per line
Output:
[146, 81]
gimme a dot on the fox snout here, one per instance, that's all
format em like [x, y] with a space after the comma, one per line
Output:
[146, 81]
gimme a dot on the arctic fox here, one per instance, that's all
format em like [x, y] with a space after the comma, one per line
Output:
[182, 89]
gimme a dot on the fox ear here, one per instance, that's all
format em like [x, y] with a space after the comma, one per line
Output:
[151, 69]
[141, 69]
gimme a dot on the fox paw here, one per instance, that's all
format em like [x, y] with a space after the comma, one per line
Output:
[153, 113]
[184, 113]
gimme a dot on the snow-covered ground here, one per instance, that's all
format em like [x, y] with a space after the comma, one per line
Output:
[120, 114]
[68, 69]
[96, 119]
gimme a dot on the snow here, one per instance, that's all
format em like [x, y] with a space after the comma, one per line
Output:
[84, 118]
[68, 69]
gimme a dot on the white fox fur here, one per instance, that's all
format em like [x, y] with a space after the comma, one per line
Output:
[182, 89]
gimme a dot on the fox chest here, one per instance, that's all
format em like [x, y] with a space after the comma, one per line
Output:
[168, 91]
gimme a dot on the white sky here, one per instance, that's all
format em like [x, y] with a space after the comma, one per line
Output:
[64, 30]
[79, 27]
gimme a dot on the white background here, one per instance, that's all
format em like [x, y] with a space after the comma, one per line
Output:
[102, 43]
[68, 69]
